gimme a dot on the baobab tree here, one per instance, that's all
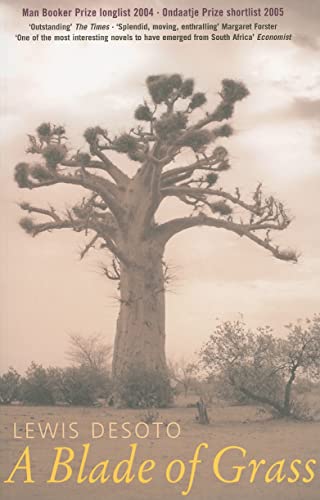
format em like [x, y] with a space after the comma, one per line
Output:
[119, 212]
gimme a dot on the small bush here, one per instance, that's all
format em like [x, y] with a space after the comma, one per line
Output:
[141, 388]
[37, 387]
[9, 386]
[150, 415]
[82, 386]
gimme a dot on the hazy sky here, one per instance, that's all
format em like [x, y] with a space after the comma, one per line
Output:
[46, 292]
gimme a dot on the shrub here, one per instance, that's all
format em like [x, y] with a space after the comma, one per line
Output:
[37, 387]
[141, 388]
[9, 386]
[82, 385]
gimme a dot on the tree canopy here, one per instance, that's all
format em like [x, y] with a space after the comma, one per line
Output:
[260, 365]
[171, 121]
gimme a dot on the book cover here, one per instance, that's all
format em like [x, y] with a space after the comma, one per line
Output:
[160, 323]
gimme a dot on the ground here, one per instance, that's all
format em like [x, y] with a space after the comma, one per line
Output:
[248, 427]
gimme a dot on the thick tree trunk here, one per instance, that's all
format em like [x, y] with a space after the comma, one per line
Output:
[140, 335]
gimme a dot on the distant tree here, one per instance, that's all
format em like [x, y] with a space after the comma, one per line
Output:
[302, 351]
[260, 366]
[9, 386]
[184, 373]
[91, 352]
[37, 387]
[172, 155]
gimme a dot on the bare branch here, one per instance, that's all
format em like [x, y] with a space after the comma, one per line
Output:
[206, 163]
[200, 193]
[113, 273]
[31, 209]
[92, 182]
[91, 351]
[167, 230]
[88, 246]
